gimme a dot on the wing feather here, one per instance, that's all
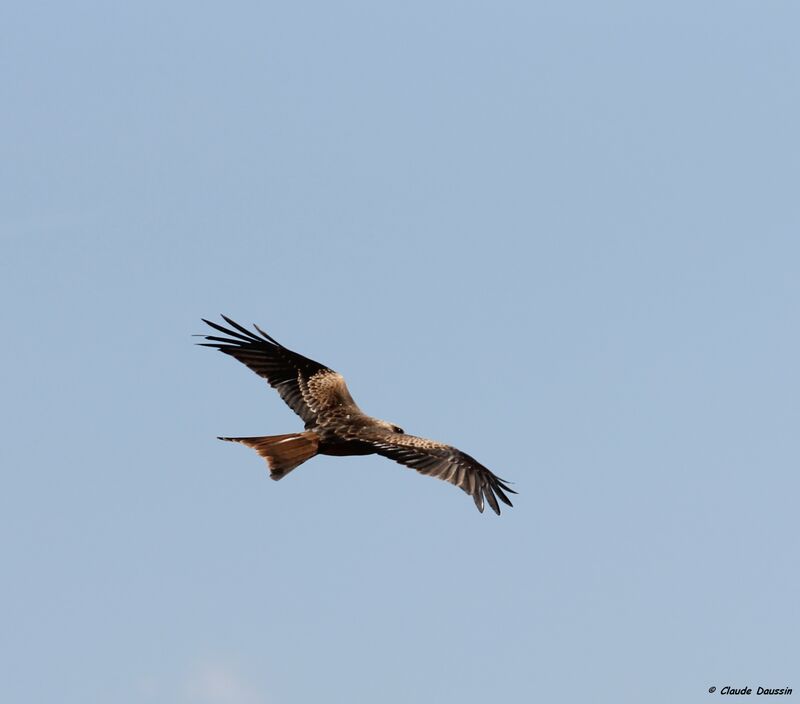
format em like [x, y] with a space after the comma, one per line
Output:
[443, 462]
[306, 386]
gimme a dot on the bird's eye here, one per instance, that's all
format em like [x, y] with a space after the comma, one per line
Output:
[398, 429]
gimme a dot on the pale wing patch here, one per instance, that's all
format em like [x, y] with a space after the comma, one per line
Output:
[325, 390]
[414, 441]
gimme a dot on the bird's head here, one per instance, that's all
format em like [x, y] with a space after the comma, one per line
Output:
[391, 427]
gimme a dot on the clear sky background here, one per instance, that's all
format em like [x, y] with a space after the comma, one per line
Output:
[563, 237]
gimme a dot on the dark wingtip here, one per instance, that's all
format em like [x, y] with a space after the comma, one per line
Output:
[267, 337]
[477, 497]
[505, 500]
[504, 484]
[498, 490]
[492, 499]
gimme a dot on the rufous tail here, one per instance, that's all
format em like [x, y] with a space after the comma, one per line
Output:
[282, 452]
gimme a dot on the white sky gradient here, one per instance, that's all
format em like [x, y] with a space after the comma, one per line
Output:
[219, 683]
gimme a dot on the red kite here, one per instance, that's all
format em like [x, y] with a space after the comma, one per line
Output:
[335, 425]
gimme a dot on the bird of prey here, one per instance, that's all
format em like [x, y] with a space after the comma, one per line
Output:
[335, 425]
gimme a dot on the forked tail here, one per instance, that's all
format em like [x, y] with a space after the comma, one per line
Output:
[282, 452]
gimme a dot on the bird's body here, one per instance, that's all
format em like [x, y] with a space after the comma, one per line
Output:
[335, 425]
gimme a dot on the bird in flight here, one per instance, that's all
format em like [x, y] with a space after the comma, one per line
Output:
[335, 425]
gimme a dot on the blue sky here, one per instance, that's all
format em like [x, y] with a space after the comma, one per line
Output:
[560, 236]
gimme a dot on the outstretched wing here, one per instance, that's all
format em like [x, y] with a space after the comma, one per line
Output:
[306, 386]
[441, 461]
